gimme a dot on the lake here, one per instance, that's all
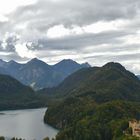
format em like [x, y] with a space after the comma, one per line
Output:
[27, 124]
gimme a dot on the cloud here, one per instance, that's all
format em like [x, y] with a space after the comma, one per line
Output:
[97, 31]
[78, 12]
[8, 42]
[78, 42]
[23, 51]
[39, 17]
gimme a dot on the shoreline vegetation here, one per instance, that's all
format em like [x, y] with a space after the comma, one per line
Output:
[15, 138]
[106, 121]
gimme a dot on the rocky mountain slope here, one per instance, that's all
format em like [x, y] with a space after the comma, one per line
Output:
[38, 74]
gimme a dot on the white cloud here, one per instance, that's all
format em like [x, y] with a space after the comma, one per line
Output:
[7, 6]
[131, 39]
[59, 31]
[103, 26]
[23, 51]
[3, 18]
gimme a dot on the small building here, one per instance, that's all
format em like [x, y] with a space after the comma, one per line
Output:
[135, 125]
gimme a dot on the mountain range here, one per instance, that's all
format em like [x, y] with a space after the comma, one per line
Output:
[38, 74]
[112, 81]
[102, 99]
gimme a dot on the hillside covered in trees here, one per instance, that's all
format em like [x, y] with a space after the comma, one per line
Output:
[14, 95]
[95, 104]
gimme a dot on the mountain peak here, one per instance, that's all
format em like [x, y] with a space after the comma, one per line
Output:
[36, 63]
[67, 61]
[35, 60]
[113, 65]
[11, 62]
[2, 62]
[86, 64]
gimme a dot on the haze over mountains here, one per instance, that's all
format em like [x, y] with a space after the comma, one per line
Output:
[38, 74]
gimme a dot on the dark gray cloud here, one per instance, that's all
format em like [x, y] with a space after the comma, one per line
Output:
[79, 12]
[81, 41]
[46, 13]
[8, 43]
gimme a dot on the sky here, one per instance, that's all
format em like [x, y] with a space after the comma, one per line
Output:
[94, 31]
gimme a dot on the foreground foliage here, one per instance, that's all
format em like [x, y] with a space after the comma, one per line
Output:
[96, 104]
[86, 120]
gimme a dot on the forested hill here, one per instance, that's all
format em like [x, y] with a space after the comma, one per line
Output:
[14, 95]
[9, 86]
[95, 104]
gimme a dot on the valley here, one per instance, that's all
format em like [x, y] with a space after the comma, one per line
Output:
[69, 69]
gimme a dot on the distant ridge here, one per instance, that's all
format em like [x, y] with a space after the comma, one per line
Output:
[138, 76]
[38, 74]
